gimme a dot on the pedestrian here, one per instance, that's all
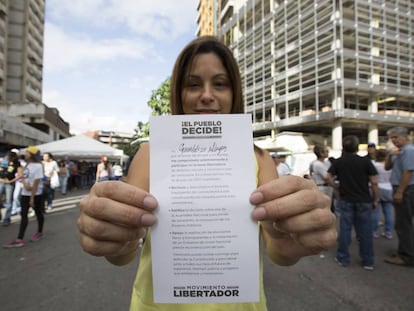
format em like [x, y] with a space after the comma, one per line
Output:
[355, 175]
[103, 170]
[371, 151]
[63, 176]
[385, 198]
[116, 171]
[282, 167]
[319, 168]
[51, 173]
[18, 186]
[205, 79]
[401, 161]
[73, 181]
[8, 182]
[4, 162]
[32, 196]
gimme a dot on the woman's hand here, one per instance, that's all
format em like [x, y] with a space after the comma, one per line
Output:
[113, 217]
[296, 218]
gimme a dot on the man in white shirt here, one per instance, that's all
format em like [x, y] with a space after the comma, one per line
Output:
[319, 168]
[281, 166]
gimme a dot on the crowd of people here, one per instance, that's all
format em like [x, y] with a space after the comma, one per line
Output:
[369, 191]
[28, 184]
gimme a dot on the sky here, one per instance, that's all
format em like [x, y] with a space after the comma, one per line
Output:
[103, 58]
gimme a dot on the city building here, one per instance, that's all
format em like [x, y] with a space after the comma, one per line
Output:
[113, 138]
[206, 20]
[331, 68]
[24, 118]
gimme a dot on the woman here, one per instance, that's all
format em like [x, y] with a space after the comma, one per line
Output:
[50, 168]
[63, 176]
[32, 196]
[9, 183]
[385, 198]
[102, 170]
[295, 218]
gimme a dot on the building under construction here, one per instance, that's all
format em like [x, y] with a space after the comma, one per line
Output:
[326, 67]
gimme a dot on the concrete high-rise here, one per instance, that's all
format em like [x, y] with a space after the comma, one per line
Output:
[331, 68]
[206, 17]
[24, 118]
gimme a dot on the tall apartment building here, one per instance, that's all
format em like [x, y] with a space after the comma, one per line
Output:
[326, 67]
[206, 17]
[24, 118]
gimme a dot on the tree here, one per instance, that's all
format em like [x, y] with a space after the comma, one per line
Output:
[159, 103]
[160, 99]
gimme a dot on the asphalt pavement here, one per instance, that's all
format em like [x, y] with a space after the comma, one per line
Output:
[55, 274]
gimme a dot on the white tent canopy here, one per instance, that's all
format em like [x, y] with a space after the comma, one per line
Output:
[81, 147]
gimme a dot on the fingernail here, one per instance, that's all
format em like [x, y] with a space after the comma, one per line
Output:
[256, 198]
[259, 213]
[150, 202]
[148, 220]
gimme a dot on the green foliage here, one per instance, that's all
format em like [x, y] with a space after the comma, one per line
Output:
[160, 105]
[160, 99]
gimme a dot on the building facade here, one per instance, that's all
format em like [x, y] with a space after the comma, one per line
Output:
[24, 119]
[112, 138]
[206, 20]
[325, 67]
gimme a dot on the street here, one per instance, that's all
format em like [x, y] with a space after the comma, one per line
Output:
[55, 274]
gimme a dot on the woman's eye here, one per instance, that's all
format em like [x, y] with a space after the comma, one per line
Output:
[192, 84]
[221, 84]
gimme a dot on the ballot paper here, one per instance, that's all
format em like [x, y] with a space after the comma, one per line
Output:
[204, 246]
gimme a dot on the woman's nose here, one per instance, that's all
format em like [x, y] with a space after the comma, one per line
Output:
[207, 94]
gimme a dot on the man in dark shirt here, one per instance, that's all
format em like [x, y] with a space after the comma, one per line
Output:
[355, 175]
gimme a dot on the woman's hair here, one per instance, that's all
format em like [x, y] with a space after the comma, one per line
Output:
[380, 155]
[184, 62]
[12, 156]
[49, 155]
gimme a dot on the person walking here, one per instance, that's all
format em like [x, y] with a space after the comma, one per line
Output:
[32, 196]
[116, 171]
[385, 198]
[401, 161]
[282, 167]
[63, 176]
[103, 170]
[8, 183]
[18, 186]
[318, 169]
[355, 174]
[51, 170]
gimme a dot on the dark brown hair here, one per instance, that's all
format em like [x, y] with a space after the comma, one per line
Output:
[182, 67]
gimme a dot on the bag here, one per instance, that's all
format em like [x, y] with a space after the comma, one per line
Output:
[54, 180]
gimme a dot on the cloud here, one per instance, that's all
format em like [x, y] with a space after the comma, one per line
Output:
[63, 50]
[157, 19]
[103, 58]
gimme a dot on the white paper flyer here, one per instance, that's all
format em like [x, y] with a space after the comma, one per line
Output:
[205, 246]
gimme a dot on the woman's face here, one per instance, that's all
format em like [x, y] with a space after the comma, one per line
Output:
[46, 157]
[207, 88]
